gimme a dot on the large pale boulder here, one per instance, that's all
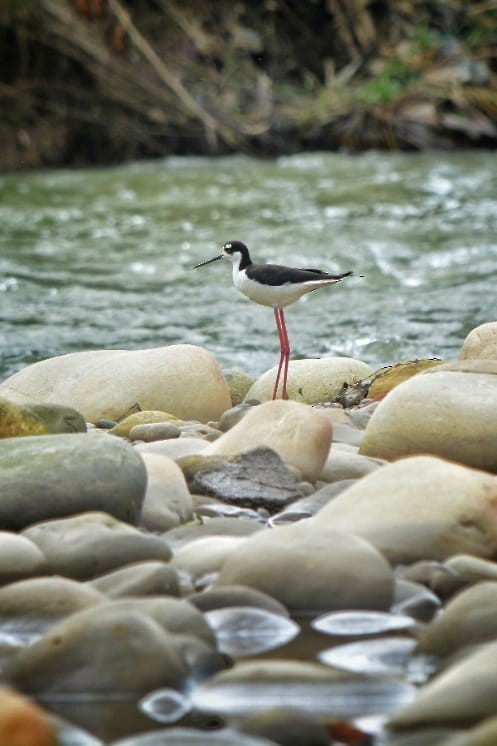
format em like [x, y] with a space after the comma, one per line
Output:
[184, 380]
[481, 343]
[311, 567]
[419, 508]
[312, 381]
[300, 434]
[59, 475]
[462, 694]
[449, 411]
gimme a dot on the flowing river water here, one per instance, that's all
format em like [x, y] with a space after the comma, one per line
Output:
[102, 258]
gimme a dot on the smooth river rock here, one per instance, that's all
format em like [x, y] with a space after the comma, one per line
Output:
[309, 567]
[139, 579]
[481, 343]
[58, 475]
[19, 558]
[300, 434]
[115, 650]
[168, 502]
[448, 411]
[182, 379]
[38, 419]
[24, 723]
[469, 618]
[419, 508]
[462, 694]
[38, 600]
[91, 544]
[312, 381]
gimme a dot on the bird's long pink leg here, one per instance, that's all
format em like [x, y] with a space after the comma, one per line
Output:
[284, 352]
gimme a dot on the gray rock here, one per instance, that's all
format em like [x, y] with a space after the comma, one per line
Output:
[468, 619]
[256, 478]
[139, 579]
[204, 557]
[91, 544]
[343, 464]
[110, 651]
[29, 602]
[59, 475]
[19, 558]
[309, 567]
[462, 694]
[236, 595]
[152, 431]
[419, 508]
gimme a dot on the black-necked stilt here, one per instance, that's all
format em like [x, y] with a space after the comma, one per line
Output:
[276, 286]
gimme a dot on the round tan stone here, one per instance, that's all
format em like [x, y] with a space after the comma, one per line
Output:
[448, 411]
[184, 380]
[300, 434]
[481, 343]
[167, 501]
[312, 381]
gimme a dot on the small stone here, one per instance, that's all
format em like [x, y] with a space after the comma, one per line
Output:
[236, 595]
[167, 501]
[22, 722]
[137, 419]
[239, 383]
[342, 464]
[19, 558]
[139, 579]
[232, 416]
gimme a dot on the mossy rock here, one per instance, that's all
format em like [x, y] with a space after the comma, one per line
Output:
[38, 419]
[386, 379]
[122, 429]
[239, 383]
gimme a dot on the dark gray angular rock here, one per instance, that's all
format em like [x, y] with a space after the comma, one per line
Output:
[254, 479]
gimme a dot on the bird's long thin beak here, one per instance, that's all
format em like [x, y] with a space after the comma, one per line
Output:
[214, 259]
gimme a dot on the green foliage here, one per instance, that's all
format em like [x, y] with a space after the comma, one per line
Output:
[392, 81]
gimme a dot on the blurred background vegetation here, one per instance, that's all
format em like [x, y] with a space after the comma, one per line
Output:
[102, 81]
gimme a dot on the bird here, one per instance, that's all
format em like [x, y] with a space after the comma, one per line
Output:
[276, 286]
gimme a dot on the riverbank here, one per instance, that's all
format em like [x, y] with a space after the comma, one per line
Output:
[274, 571]
[99, 82]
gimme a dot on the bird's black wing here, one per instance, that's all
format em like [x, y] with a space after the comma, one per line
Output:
[277, 274]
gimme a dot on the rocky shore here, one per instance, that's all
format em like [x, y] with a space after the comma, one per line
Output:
[184, 561]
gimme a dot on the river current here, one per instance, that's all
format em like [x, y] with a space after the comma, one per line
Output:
[102, 258]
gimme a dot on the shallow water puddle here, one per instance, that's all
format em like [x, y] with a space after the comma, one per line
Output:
[357, 623]
[386, 656]
[342, 700]
[245, 630]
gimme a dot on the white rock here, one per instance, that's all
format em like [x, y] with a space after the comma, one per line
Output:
[312, 381]
[184, 380]
[300, 434]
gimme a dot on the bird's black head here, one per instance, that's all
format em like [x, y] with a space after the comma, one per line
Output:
[238, 253]
[234, 250]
